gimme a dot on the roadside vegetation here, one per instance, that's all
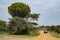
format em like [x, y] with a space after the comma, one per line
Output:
[57, 35]
[53, 30]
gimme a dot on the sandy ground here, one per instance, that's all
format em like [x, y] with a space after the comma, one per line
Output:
[42, 36]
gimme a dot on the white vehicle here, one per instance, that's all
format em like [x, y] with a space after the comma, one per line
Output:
[45, 31]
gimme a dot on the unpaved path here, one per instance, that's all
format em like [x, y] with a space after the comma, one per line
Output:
[42, 36]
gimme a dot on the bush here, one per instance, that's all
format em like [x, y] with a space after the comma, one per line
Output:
[3, 26]
[57, 29]
[20, 26]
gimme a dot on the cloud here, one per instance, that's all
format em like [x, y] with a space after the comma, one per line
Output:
[2, 6]
[43, 4]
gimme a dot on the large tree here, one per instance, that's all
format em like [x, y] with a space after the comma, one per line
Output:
[20, 12]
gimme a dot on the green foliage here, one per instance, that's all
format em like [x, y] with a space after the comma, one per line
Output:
[34, 16]
[57, 29]
[34, 33]
[52, 28]
[3, 26]
[19, 9]
[17, 25]
[41, 27]
[55, 34]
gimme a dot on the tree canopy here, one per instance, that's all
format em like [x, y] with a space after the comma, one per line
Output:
[21, 10]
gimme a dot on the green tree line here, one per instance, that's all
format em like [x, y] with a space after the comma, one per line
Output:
[52, 28]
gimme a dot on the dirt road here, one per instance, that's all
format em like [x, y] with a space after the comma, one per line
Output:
[42, 36]
[45, 37]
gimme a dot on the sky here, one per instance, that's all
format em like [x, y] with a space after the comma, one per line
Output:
[49, 10]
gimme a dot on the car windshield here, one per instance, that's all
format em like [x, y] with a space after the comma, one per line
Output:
[45, 30]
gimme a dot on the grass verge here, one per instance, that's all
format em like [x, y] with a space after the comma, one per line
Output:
[57, 35]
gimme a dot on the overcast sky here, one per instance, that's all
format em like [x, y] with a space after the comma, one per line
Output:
[49, 10]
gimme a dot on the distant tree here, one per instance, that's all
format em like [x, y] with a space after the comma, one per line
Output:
[52, 28]
[47, 27]
[57, 28]
[3, 26]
